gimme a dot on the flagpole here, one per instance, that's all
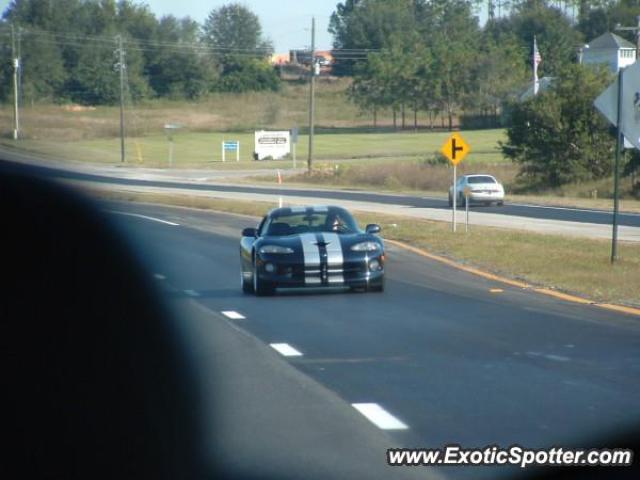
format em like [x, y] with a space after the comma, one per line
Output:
[536, 55]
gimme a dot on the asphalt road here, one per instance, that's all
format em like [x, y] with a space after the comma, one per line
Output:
[601, 217]
[438, 351]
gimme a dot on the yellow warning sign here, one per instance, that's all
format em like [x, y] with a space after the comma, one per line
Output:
[455, 149]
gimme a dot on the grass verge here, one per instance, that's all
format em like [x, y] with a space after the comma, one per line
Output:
[577, 266]
[196, 149]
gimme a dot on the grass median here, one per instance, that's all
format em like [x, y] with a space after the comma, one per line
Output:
[567, 264]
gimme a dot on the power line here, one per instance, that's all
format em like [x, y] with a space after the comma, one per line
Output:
[140, 43]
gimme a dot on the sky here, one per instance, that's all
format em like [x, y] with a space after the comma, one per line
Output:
[287, 23]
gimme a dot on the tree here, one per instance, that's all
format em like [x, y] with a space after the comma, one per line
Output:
[368, 25]
[234, 34]
[234, 28]
[387, 79]
[452, 34]
[558, 137]
[175, 65]
[41, 67]
[242, 74]
[557, 40]
[498, 72]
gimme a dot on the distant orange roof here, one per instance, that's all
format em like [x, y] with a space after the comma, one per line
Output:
[279, 58]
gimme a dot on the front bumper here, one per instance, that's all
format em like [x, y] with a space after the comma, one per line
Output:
[362, 272]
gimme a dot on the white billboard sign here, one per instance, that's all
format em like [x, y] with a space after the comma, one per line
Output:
[607, 103]
[271, 144]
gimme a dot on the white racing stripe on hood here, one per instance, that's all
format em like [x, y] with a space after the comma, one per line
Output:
[311, 254]
[335, 258]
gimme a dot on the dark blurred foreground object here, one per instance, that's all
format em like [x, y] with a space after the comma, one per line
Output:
[95, 384]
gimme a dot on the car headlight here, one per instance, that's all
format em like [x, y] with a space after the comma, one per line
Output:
[275, 249]
[366, 247]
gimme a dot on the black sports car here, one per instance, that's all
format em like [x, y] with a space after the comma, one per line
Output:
[311, 247]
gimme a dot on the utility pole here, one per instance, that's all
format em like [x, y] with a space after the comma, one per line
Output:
[121, 67]
[16, 66]
[312, 92]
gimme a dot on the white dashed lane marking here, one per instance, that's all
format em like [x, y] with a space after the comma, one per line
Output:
[379, 416]
[159, 276]
[233, 315]
[153, 219]
[555, 358]
[192, 293]
[286, 350]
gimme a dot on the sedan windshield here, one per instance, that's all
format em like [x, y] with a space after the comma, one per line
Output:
[336, 221]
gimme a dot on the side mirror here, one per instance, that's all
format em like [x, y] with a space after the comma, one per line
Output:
[373, 228]
[249, 232]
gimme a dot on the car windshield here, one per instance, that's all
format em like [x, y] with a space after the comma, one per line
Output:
[294, 223]
[481, 179]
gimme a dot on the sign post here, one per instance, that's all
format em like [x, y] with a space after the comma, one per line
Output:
[616, 171]
[455, 149]
[170, 128]
[294, 141]
[620, 104]
[467, 192]
[231, 146]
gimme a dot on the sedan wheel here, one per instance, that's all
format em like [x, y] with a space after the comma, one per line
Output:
[260, 287]
[247, 287]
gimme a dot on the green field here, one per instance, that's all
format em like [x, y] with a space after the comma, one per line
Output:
[196, 149]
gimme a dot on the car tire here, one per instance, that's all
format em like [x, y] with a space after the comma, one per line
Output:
[500, 204]
[378, 287]
[247, 287]
[260, 287]
[450, 201]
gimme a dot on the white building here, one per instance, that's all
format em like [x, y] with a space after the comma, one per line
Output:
[610, 49]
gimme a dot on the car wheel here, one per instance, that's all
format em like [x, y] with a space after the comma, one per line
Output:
[379, 287]
[462, 201]
[260, 287]
[450, 201]
[500, 204]
[247, 287]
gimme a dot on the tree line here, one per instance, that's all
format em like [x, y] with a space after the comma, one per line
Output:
[434, 56]
[70, 51]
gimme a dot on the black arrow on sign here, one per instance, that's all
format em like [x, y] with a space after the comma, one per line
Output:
[455, 149]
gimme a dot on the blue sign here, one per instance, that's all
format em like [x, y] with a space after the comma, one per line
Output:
[231, 146]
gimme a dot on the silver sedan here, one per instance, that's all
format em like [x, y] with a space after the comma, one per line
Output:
[478, 188]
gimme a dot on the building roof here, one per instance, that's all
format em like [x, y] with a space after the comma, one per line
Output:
[610, 41]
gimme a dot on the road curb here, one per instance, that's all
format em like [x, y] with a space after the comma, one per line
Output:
[515, 283]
